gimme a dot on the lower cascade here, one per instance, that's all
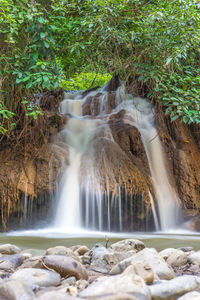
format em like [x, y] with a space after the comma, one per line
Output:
[99, 186]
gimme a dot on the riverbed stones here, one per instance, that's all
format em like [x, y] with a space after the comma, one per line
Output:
[121, 296]
[82, 250]
[66, 266]
[97, 254]
[190, 296]
[53, 294]
[9, 249]
[10, 262]
[15, 290]
[174, 288]
[33, 262]
[174, 257]
[151, 257]
[116, 257]
[61, 250]
[127, 245]
[37, 277]
[127, 282]
[194, 258]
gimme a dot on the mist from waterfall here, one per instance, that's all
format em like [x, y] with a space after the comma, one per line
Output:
[83, 198]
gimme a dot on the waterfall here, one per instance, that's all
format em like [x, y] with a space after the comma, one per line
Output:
[84, 198]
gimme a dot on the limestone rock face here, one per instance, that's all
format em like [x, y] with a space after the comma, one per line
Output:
[66, 266]
[181, 147]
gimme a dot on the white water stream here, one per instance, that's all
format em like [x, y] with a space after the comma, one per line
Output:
[80, 200]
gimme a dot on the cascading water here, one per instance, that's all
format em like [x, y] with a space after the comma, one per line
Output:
[85, 198]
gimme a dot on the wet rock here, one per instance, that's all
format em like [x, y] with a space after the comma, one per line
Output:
[194, 258]
[15, 290]
[33, 262]
[82, 250]
[186, 249]
[37, 277]
[61, 250]
[127, 245]
[174, 288]
[121, 296]
[190, 296]
[158, 265]
[116, 257]
[66, 266]
[97, 254]
[127, 282]
[9, 249]
[174, 257]
[26, 255]
[10, 262]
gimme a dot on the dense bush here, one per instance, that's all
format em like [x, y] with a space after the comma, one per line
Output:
[154, 42]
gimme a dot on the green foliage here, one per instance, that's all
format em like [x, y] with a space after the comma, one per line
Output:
[155, 42]
[85, 81]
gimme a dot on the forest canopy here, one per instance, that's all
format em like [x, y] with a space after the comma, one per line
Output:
[45, 43]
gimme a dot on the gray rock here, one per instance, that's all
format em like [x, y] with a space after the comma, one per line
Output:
[53, 294]
[121, 296]
[150, 256]
[116, 257]
[186, 249]
[10, 262]
[194, 258]
[15, 290]
[97, 253]
[174, 288]
[127, 245]
[61, 250]
[37, 277]
[190, 296]
[80, 249]
[33, 262]
[127, 282]
[9, 249]
[174, 257]
[66, 266]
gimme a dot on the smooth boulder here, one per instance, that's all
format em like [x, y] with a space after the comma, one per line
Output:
[174, 288]
[190, 296]
[174, 257]
[127, 245]
[11, 262]
[194, 258]
[127, 282]
[9, 249]
[37, 277]
[66, 266]
[15, 290]
[150, 256]
[62, 250]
